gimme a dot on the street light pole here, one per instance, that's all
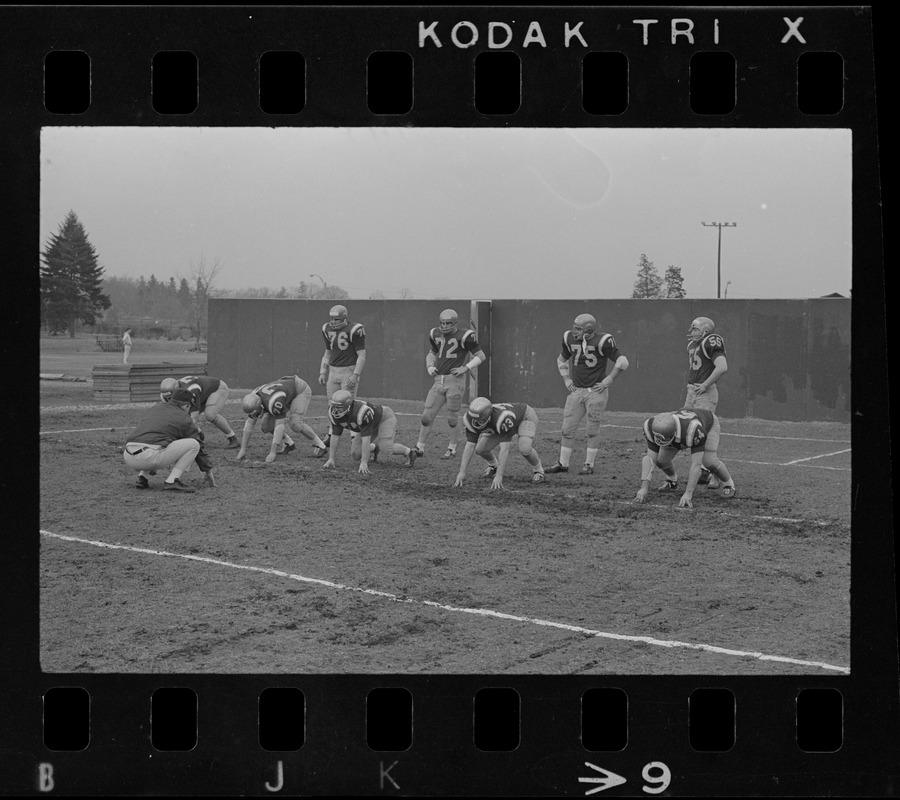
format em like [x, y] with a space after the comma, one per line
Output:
[719, 225]
[313, 275]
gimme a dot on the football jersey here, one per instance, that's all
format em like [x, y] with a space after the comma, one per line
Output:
[363, 418]
[344, 344]
[200, 387]
[504, 421]
[589, 357]
[702, 356]
[451, 350]
[277, 396]
[691, 428]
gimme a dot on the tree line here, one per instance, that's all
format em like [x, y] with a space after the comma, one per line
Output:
[75, 290]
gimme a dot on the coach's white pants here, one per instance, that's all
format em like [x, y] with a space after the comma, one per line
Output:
[180, 454]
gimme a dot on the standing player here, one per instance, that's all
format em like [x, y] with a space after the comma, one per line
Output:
[210, 395]
[489, 424]
[706, 364]
[666, 434]
[448, 349]
[345, 352]
[277, 402]
[367, 421]
[582, 364]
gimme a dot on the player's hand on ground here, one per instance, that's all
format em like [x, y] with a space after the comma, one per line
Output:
[459, 480]
[641, 496]
[270, 458]
[497, 483]
[240, 456]
[328, 464]
[685, 502]
[364, 468]
[210, 480]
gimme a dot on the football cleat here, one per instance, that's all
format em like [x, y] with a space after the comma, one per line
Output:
[490, 472]
[728, 491]
[178, 486]
[479, 413]
[448, 320]
[584, 327]
[538, 477]
[420, 453]
[668, 486]
[374, 455]
[557, 467]
[411, 457]
[451, 453]
[704, 476]
[232, 443]
[142, 483]
[587, 469]
[288, 448]
[318, 452]
[700, 327]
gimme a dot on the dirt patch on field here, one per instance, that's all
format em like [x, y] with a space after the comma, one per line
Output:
[286, 567]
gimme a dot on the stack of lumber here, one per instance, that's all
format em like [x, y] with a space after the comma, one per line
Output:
[136, 383]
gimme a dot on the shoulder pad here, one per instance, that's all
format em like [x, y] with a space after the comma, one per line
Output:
[604, 339]
[356, 329]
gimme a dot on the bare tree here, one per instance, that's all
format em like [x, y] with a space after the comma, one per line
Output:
[202, 284]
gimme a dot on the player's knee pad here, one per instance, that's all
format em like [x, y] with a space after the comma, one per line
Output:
[426, 420]
[453, 421]
[712, 463]
[592, 429]
[268, 424]
[211, 416]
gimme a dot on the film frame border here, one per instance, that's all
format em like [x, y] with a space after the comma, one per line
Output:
[227, 41]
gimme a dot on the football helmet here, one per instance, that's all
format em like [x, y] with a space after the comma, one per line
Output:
[663, 429]
[339, 406]
[584, 326]
[479, 413]
[166, 387]
[449, 320]
[337, 317]
[700, 327]
[252, 405]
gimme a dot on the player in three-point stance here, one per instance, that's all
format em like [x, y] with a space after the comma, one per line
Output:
[448, 348]
[706, 364]
[582, 363]
[209, 395]
[276, 403]
[490, 424]
[696, 430]
[366, 421]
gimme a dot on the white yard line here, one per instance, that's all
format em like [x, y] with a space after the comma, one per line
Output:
[481, 612]
[812, 458]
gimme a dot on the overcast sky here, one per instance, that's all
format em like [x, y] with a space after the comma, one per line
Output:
[448, 212]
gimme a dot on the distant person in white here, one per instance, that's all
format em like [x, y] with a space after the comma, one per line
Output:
[126, 343]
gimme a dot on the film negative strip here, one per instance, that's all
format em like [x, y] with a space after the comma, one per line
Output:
[284, 636]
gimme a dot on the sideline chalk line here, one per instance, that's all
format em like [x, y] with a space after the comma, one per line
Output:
[482, 612]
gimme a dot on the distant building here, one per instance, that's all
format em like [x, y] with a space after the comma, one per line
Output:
[833, 294]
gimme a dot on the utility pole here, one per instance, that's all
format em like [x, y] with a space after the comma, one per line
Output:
[324, 285]
[719, 225]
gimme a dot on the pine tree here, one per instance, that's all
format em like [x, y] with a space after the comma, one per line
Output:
[71, 279]
[648, 285]
[674, 283]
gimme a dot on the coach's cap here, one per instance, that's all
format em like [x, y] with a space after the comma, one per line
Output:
[181, 396]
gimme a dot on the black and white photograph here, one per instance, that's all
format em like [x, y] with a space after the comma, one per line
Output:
[593, 386]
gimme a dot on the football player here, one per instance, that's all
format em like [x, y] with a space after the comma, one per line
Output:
[490, 424]
[696, 430]
[449, 347]
[209, 394]
[277, 402]
[582, 363]
[345, 352]
[368, 421]
[706, 364]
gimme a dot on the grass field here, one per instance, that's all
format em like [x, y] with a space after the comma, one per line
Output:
[289, 568]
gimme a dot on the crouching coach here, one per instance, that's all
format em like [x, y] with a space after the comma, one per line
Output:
[167, 438]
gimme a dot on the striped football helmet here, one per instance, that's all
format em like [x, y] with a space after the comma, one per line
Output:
[479, 413]
[700, 327]
[166, 387]
[449, 320]
[663, 429]
[337, 317]
[340, 403]
[584, 326]
[252, 405]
